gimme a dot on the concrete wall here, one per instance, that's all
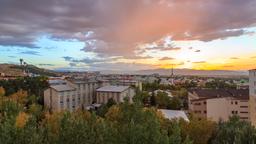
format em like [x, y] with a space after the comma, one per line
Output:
[223, 108]
[252, 93]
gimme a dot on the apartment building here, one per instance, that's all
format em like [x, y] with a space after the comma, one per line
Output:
[70, 94]
[219, 104]
[117, 93]
[252, 93]
[60, 97]
[75, 93]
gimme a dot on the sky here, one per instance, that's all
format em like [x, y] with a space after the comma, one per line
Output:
[129, 35]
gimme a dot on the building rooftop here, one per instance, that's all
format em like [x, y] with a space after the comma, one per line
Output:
[113, 88]
[56, 82]
[203, 94]
[174, 114]
[63, 87]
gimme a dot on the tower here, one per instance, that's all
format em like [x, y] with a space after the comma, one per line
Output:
[172, 76]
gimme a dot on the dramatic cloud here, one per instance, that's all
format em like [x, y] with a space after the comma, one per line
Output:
[117, 27]
[197, 50]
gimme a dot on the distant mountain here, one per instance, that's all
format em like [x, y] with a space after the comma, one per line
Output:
[194, 72]
[17, 70]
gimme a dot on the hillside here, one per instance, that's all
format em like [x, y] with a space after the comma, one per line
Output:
[16, 70]
[195, 72]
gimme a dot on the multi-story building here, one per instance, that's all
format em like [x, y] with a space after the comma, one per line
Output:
[219, 104]
[117, 93]
[70, 94]
[73, 94]
[252, 93]
[61, 97]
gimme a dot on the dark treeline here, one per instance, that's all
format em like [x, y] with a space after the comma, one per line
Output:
[32, 85]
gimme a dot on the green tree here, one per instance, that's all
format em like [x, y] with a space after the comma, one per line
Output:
[199, 131]
[235, 131]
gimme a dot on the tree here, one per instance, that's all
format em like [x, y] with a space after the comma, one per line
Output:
[162, 99]
[2, 91]
[174, 103]
[199, 131]
[235, 131]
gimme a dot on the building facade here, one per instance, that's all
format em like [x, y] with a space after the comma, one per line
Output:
[73, 94]
[252, 93]
[117, 93]
[219, 104]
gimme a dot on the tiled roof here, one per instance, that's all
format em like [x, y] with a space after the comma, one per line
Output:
[112, 88]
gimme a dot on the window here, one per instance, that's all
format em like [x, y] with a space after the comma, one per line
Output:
[244, 112]
[254, 83]
[236, 102]
[244, 118]
[197, 111]
[61, 105]
[231, 102]
[243, 106]
[204, 102]
[67, 99]
[197, 103]
[205, 112]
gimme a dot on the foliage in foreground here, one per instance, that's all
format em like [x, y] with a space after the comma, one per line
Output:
[24, 121]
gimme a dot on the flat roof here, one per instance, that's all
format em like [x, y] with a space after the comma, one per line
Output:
[174, 114]
[112, 89]
[62, 87]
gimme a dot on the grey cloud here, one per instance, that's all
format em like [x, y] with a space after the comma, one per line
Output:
[197, 50]
[119, 25]
[30, 53]
[46, 64]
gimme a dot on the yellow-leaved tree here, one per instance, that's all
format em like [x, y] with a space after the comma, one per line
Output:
[21, 120]
[2, 91]
[20, 97]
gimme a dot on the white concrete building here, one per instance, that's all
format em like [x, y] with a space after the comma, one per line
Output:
[219, 104]
[117, 93]
[70, 94]
[61, 97]
[80, 93]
